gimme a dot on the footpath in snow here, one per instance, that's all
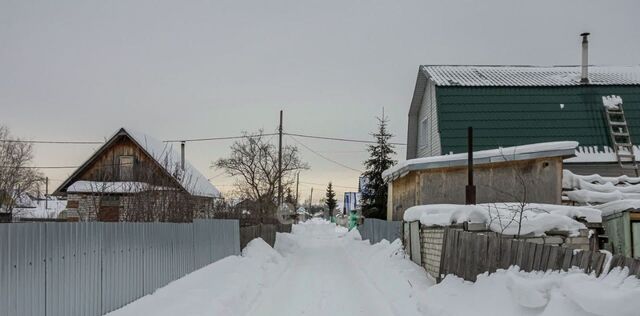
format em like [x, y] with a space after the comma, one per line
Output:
[321, 269]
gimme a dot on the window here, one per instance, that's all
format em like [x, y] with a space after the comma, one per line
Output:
[125, 165]
[424, 132]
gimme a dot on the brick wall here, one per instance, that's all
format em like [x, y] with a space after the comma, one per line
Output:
[431, 248]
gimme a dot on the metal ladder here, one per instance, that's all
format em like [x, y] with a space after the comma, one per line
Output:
[620, 138]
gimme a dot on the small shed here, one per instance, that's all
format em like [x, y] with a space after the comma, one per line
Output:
[530, 172]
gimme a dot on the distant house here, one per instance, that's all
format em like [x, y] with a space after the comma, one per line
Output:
[134, 177]
[518, 105]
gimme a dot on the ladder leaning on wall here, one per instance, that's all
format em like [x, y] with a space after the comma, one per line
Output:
[619, 132]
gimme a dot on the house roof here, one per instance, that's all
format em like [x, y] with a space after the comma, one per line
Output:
[166, 157]
[529, 76]
[532, 151]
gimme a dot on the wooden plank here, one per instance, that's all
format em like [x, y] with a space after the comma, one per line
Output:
[616, 261]
[544, 258]
[505, 253]
[597, 263]
[481, 253]
[468, 257]
[493, 252]
[567, 255]
[554, 255]
[519, 251]
[537, 258]
[443, 254]
[577, 258]
[584, 262]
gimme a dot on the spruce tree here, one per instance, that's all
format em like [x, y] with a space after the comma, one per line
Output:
[374, 196]
[330, 200]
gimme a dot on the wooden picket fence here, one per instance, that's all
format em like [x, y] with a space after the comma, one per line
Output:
[467, 254]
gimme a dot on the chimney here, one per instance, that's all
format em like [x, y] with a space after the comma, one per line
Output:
[182, 155]
[584, 77]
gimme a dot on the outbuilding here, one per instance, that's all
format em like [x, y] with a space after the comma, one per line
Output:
[529, 173]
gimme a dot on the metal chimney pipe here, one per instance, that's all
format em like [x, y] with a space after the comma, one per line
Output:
[182, 155]
[584, 77]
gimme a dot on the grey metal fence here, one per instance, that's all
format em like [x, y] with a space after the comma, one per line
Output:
[376, 230]
[93, 268]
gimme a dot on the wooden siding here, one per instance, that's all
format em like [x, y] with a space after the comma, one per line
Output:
[496, 182]
[428, 143]
[106, 166]
[512, 116]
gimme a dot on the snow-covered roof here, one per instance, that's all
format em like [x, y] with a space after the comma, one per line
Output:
[524, 76]
[595, 189]
[524, 152]
[168, 158]
[537, 218]
[585, 154]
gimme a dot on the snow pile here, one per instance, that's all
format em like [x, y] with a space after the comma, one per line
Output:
[226, 287]
[513, 292]
[503, 217]
[618, 193]
[615, 207]
[611, 102]
[571, 180]
[385, 265]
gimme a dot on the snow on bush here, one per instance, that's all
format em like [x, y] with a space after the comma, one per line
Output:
[537, 218]
[513, 292]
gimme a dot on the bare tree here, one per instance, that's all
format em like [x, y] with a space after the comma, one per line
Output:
[17, 177]
[254, 163]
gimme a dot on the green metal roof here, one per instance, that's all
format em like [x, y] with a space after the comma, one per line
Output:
[512, 116]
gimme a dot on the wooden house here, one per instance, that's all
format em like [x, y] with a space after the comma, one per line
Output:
[134, 177]
[518, 105]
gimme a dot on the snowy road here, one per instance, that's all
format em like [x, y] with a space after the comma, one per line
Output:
[322, 279]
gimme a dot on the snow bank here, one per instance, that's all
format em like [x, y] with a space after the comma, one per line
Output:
[513, 292]
[537, 218]
[399, 279]
[226, 287]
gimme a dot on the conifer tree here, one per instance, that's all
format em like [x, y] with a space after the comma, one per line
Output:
[330, 200]
[374, 196]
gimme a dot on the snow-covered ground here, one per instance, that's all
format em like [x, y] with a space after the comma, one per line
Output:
[321, 269]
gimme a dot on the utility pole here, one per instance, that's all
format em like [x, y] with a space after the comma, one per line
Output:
[311, 199]
[297, 185]
[280, 162]
[470, 196]
[182, 155]
[46, 193]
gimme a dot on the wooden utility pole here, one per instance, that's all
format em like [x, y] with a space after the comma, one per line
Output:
[280, 161]
[182, 155]
[470, 196]
[297, 186]
[311, 199]
[46, 193]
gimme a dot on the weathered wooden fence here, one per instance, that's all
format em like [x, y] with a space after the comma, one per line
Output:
[70, 269]
[376, 230]
[467, 254]
[265, 231]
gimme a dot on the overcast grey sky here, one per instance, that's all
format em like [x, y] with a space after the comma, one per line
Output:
[78, 70]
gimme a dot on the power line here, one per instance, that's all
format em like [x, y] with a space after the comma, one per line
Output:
[340, 139]
[216, 138]
[324, 185]
[50, 142]
[323, 156]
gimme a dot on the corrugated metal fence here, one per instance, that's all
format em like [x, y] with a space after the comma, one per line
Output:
[72, 269]
[376, 230]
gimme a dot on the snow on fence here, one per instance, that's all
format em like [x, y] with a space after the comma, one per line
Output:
[376, 230]
[72, 269]
[468, 254]
[265, 231]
